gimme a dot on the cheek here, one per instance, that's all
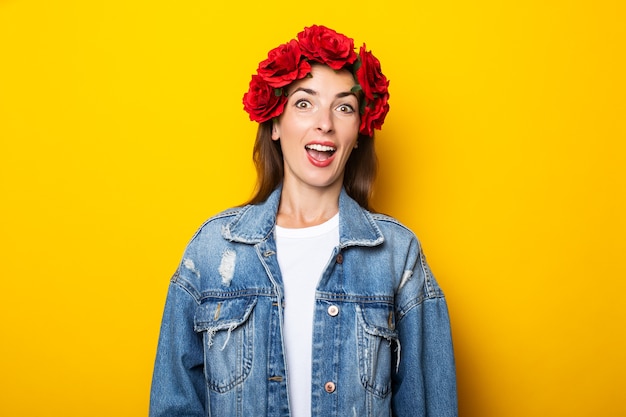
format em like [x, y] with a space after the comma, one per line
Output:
[350, 130]
[294, 127]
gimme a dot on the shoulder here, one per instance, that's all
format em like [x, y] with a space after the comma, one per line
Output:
[393, 228]
[224, 215]
[207, 242]
[216, 223]
[201, 269]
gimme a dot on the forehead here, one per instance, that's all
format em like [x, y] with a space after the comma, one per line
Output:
[325, 79]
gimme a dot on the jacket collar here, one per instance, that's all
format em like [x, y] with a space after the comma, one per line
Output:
[255, 223]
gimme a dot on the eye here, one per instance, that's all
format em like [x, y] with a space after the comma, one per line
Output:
[302, 104]
[345, 108]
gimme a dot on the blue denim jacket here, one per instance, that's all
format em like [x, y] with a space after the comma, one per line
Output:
[381, 335]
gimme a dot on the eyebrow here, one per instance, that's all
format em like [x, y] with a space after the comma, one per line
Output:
[314, 93]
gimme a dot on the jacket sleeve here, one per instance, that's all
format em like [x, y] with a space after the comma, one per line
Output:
[425, 382]
[178, 387]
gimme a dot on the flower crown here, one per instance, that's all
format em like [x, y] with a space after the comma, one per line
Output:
[266, 97]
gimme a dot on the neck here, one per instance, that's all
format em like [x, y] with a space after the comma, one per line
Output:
[304, 207]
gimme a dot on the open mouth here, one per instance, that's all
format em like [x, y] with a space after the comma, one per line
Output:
[320, 152]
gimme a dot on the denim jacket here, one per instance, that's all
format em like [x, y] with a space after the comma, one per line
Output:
[381, 334]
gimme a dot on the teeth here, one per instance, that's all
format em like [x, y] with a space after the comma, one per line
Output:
[320, 148]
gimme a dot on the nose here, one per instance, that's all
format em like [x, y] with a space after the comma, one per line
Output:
[325, 121]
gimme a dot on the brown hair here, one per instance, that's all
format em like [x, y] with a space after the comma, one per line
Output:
[359, 174]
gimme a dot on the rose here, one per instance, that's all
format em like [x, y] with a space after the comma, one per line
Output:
[370, 76]
[283, 65]
[374, 115]
[262, 101]
[287, 63]
[324, 45]
[375, 90]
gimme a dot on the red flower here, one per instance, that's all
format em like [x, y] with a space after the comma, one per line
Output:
[324, 45]
[375, 89]
[261, 101]
[283, 65]
[290, 62]
[374, 115]
[370, 76]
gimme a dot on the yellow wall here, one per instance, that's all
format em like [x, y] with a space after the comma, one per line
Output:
[121, 130]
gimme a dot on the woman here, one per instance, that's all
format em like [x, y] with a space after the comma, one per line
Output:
[302, 302]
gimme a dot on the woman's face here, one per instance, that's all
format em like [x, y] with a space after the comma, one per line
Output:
[318, 128]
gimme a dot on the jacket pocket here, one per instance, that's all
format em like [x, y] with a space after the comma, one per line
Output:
[377, 342]
[228, 339]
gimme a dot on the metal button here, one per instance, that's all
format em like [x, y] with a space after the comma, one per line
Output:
[333, 310]
[339, 259]
[330, 387]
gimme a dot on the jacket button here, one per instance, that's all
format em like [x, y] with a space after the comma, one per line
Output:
[339, 259]
[333, 310]
[330, 387]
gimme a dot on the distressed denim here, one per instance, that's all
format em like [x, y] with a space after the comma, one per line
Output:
[381, 334]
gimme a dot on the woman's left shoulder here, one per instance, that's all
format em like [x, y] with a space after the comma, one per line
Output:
[390, 224]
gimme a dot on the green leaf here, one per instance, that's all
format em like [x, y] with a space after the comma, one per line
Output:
[278, 92]
[356, 89]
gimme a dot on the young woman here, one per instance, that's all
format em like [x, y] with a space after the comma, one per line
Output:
[303, 302]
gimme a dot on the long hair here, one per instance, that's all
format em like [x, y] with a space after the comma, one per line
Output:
[359, 174]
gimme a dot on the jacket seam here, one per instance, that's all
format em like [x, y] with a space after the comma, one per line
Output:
[326, 296]
[403, 311]
[186, 286]
[223, 295]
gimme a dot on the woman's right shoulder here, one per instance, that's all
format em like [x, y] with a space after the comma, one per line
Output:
[215, 223]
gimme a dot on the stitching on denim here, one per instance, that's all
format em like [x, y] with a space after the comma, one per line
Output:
[402, 311]
[327, 296]
[186, 286]
[246, 292]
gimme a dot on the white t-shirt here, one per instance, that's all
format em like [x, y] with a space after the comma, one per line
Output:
[302, 255]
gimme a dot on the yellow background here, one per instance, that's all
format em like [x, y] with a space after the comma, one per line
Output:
[121, 130]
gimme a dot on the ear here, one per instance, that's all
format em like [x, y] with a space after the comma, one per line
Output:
[275, 130]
